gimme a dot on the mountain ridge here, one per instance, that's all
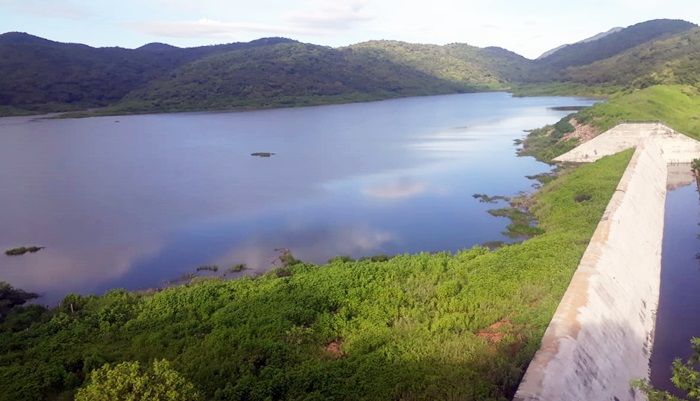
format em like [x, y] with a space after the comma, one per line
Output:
[39, 75]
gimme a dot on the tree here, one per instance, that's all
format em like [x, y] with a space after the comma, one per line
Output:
[685, 377]
[11, 297]
[128, 381]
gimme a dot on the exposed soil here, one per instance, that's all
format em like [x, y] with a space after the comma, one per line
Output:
[494, 333]
[582, 132]
[334, 348]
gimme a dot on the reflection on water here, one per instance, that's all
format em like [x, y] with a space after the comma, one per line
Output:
[679, 301]
[137, 203]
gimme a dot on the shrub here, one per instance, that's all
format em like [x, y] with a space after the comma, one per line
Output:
[129, 381]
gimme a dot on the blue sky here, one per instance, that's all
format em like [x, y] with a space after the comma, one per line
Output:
[528, 27]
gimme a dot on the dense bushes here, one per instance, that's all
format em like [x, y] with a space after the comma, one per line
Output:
[419, 327]
[129, 381]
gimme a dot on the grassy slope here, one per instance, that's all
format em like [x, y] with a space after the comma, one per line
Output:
[406, 328]
[676, 105]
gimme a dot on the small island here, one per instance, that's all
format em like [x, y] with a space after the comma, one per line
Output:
[22, 250]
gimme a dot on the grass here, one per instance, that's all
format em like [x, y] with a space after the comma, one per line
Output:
[548, 142]
[676, 105]
[411, 327]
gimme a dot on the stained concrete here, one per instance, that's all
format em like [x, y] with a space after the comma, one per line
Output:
[600, 337]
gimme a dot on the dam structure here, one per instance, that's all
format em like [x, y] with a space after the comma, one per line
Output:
[601, 335]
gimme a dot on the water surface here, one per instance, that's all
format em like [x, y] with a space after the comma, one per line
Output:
[678, 315]
[136, 201]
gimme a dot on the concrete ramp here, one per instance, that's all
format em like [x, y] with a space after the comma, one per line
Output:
[601, 335]
[677, 148]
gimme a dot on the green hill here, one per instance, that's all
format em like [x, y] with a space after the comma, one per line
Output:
[303, 74]
[674, 60]
[488, 68]
[39, 75]
[287, 74]
[588, 52]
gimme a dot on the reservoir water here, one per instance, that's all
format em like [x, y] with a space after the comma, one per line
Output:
[135, 201]
[679, 301]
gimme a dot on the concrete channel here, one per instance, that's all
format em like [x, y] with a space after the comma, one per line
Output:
[601, 335]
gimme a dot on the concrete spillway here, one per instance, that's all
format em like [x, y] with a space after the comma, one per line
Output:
[600, 337]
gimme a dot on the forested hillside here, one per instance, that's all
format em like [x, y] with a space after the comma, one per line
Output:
[584, 53]
[282, 75]
[40, 75]
[675, 60]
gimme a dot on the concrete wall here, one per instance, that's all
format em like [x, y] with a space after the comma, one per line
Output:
[601, 334]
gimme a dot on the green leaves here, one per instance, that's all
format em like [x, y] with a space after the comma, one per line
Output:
[128, 381]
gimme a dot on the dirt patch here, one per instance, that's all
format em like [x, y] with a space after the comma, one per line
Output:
[494, 333]
[582, 132]
[335, 348]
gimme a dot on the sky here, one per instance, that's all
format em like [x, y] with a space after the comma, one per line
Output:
[528, 27]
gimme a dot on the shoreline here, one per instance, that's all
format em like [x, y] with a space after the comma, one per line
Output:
[88, 113]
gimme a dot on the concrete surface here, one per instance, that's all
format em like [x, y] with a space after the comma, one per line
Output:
[600, 337]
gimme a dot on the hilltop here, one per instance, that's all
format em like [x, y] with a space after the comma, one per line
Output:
[610, 44]
[673, 60]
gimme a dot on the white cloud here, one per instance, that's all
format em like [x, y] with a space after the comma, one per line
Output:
[338, 15]
[209, 28]
[402, 188]
[313, 19]
[46, 8]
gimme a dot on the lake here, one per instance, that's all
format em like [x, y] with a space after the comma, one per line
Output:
[136, 201]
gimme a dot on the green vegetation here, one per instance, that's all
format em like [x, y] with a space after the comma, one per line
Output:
[11, 297]
[564, 89]
[39, 75]
[584, 53]
[483, 198]
[522, 224]
[461, 64]
[676, 105]
[408, 327]
[695, 165]
[418, 327]
[283, 75]
[22, 250]
[674, 60]
[129, 381]
[686, 378]
[548, 142]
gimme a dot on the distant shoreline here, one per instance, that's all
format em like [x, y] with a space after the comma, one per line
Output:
[543, 91]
